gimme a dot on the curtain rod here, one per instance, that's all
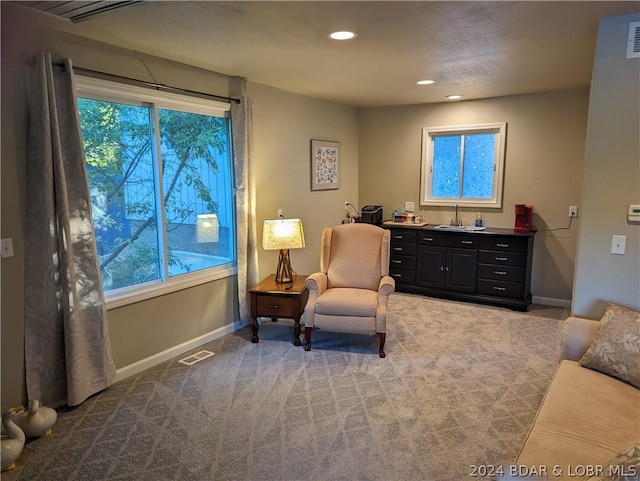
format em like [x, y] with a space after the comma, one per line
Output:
[149, 84]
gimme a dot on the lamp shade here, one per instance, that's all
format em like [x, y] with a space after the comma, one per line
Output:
[282, 234]
[207, 228]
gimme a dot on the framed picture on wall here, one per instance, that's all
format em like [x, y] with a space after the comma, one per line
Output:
[325, 165]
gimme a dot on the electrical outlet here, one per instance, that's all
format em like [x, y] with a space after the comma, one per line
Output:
[346, 204]
[408, 206]
[573, 211]
[280, 216]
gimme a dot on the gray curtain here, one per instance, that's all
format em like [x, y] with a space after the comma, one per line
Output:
[242, 130]
[67, 347]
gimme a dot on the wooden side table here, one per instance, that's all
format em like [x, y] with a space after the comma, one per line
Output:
[274, 300]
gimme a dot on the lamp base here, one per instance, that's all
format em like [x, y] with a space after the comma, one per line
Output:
[284, 272]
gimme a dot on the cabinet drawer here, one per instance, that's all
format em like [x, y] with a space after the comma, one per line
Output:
[403, 276]
[501, 273]
[464, 241]
[504, 243]
[402, 250]
[502, 258]
[501, 289]
[403, 262]
[403, 237]
[275, 306]
[429, 239]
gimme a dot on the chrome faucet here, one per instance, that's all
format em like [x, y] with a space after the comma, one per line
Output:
[456, 222]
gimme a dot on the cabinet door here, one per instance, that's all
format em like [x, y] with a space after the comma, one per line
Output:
[431, 266]
[461, 270]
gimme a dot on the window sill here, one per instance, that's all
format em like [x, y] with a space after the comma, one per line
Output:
[150, 290]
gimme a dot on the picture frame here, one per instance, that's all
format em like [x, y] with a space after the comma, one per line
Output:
[325, 165]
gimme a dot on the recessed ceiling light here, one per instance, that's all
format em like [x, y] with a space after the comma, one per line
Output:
[454, 97]
[425, 82]
[343, 35]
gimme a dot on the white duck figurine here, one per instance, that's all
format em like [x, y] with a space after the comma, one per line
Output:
[37, 421]
[11, 446]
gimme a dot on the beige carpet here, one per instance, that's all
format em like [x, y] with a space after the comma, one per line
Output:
[459, 387]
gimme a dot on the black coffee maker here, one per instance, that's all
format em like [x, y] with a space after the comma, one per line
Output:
[371, 214]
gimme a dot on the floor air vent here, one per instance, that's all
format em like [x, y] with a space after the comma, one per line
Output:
[633, 43]
[197, 357]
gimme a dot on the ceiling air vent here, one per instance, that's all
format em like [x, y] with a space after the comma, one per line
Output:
[633, 43]
[77, 10]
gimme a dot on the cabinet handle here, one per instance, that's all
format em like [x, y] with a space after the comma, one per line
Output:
[502, 245]
[428, 239]
[398, 237]
[501, 273]
[397, 248]
[446, 268]
[273, 306]
[396, 275]
[496, 288]
[396, 262]
[502, 258]
[466, 242]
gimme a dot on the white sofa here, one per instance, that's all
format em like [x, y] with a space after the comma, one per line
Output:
[586, 420]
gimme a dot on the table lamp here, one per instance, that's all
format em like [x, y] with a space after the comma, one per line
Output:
[283, 234]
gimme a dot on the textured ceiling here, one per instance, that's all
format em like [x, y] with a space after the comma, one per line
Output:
[478, 49]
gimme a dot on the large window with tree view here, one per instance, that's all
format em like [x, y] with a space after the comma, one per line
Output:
[463, 165]
[160, 175]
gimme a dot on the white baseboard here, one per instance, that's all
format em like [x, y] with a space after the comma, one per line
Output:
[146, 363]
[551, 301]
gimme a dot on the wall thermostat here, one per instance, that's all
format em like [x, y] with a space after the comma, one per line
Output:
[633, 214]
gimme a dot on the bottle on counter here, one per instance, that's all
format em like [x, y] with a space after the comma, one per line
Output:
[479, 220]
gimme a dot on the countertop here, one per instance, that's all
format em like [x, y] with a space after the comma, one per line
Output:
[447, 229]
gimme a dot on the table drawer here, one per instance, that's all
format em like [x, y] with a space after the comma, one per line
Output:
[275, 306]
[402, 250]
[502, 258]
[402, 262]
[501, 273]
[403, 276]
[403, 237]
[504, 243]
[501, 289]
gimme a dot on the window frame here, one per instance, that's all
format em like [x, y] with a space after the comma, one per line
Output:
[426, 175]
[110, 91]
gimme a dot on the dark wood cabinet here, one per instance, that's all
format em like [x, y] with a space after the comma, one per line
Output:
[491, 266]
[402, 264]
[446, 262]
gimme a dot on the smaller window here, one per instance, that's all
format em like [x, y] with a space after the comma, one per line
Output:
[463, 164]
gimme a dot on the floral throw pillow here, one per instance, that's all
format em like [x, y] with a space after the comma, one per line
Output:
[615, 350]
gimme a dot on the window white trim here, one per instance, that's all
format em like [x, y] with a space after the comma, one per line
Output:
[101, 89]
[130, 295]
[107, 90]
[426, 176]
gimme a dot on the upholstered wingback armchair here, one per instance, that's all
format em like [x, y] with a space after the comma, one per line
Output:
[351, 291]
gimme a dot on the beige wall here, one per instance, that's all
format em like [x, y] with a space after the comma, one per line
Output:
[283, 126]
[543, 167]
[611, 177]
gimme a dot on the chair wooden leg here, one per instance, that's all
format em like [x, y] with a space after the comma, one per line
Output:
[382, 336]
[307, 336]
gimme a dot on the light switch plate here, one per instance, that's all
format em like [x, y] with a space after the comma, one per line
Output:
[618, 244]
[408, 206]
[7, 248]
